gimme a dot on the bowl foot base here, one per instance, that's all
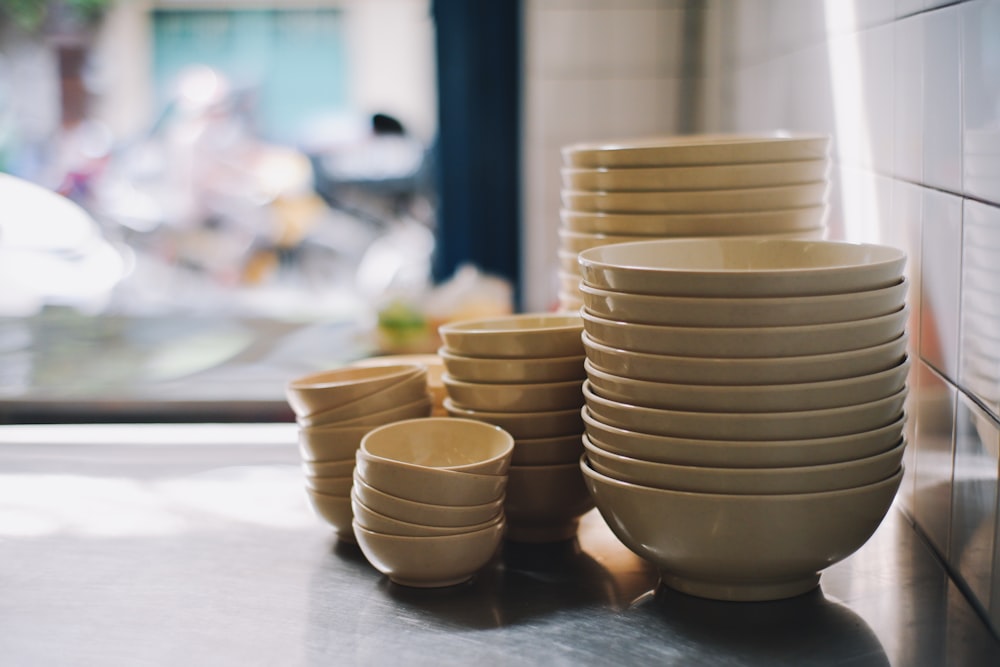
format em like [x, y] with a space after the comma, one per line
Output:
[741, 591]
[430, 584]
[538, 533]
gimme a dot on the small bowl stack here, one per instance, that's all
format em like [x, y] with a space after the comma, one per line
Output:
[744, 405]
[434, 370]
[525, 374]
[428, 498]
[768, 185]
[335, 409]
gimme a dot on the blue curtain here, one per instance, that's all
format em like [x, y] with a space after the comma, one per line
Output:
[478, 146]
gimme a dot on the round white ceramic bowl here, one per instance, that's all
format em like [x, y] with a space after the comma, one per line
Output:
[534, 424]
[706, 177]
[741, 547]
[798, 425]
[790, 341]
[523, 397]
[697, 149]
[750, 398]
[742, 453]
[690, 311]
[426, 514]
[797, 479]
[695, 201]
[440, 443]
[527, 335]
[695, 224]
[512, 370]
[743, 267]
[745, 370]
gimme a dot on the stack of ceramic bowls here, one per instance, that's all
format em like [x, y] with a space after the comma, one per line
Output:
[744, 405]
[335, 409]
[434, 371]
[700, 185]
[525, 374]
[428, 498]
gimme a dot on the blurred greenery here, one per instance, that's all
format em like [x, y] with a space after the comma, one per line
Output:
[30, 15]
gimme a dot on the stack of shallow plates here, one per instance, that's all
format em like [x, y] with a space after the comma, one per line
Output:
[525, 374]
[709, 185]
[744, 404]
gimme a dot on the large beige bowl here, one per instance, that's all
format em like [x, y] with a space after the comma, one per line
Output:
[742, 453]
[319, 392]
[528, 335]
[547, 451]
[747, 370]
[335, 510]
[689, 311]
[693, 201]
[526, 397]
[789, 341]
[739, 547]
[706, 177]
[544, 424]
[695, 224]
[440, 443]
[331, 443]
[798, 425]
[697, 149]
[513, 371]
[406, 391]
[368, 518]
[425, 514]
[743, 267]
[421, 407]
[797, 479]
[545, 502]
[430, 562]
[749, 398]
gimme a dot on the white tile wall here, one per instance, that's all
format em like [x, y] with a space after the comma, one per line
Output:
[908, 87]
[940, 281]
[942, 100]
[981, 98]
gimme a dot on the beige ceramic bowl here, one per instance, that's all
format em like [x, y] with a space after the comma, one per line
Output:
[739, 547]
[569, 283]
[440, 443]
[332, 486]
[335, 510]
[547, 451]
[569, 303]
[381, 523]
[790, 341]
[695, 224]
[336, 468]
[545, 502]
[319, 392]
[406, 391]
[545, 424]
[330, 443]
[419, 408]
[568, 262]
[576, 242]
[742, 453]
[743, 267]
[529, 335]
[430, 562]
[747, 370]
[435, 486]
[697, 149]
[425, 514]
[695, 201]
[750, 398]
[797, 479]
[513, 371]
[688, 311]
[526, 397]
[706, 177]
[796, 425]
[431, 361]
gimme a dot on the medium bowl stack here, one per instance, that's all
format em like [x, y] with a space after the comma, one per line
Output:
[434, 370]
[688, 186]
[525, 374]
[744, 405]
[428, 498]
[335, 409]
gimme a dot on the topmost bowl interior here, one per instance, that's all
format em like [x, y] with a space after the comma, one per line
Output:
[697, 150]
[522, 336]
[741, 267]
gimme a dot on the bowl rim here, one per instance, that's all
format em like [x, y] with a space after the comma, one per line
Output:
[544, 323]
[505, 444]
[323, 380]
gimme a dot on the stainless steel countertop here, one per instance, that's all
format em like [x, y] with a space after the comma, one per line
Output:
[167, 545]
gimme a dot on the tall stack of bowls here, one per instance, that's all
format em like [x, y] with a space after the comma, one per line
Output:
[335, 409]
[770, 185]
[744, 405]
[525, 374]
[428, 498]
